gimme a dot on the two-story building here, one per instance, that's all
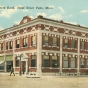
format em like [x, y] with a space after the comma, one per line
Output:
[45, 46]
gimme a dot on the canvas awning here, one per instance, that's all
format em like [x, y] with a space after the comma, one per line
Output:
[1, 62]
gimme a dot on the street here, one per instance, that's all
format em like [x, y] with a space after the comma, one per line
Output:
[7, 81]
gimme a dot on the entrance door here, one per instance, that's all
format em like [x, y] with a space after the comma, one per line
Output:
[23, 67]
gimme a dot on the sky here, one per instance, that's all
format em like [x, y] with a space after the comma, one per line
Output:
[70, 11]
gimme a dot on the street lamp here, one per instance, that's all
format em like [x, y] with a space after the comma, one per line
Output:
[20, 64]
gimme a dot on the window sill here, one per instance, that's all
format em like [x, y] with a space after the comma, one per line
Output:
[32, 67]
[69, 68]
[46, 46]
[24, 47]
[33, 46]
[55, 46]
[17, 48]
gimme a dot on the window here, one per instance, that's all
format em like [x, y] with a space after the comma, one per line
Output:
[54, 41]
[17, 43]
[82, 63]
[33, 61]
[65, 64]
[46, 61]
[6, 45]
[73, 44]
[1, 46]
[66, 43]
[25, 20]
[72, 62]
[25, 42]
[33, 41]
[17, 62]
[10, 44]
[54, 61]
[46, 40]
[87, 63]
[82, 45]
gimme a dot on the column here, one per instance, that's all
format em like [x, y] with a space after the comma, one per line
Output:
[13, 47]
[61, 54]
[39, 47]
[26, 68]
[78, 51]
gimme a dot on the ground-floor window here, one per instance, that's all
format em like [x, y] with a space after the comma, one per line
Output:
[46, 61]
[54, 61]
[65, 62]
[82, 63]
[17, 62]
[33, 61]
[72, 62]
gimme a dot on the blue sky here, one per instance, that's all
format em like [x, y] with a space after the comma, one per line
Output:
[70, 11]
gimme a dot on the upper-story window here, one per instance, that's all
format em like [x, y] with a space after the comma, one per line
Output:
[10, 45]
[46, 40]
[73, 44]
[25, 42]
[2, 46]
[6, 45]
[18, 43]
[33, 41]
[82, 45]
[66, 43]
[54, 41]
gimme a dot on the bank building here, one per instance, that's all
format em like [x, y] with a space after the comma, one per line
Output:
[44, 46]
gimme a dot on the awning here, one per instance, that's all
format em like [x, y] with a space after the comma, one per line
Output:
[1, 62]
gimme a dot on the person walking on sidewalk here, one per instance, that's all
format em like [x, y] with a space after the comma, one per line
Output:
[12, 71]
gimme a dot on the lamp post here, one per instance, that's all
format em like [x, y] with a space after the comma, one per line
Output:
[20, 64]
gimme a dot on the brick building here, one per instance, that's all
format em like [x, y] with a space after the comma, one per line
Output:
[44, 46]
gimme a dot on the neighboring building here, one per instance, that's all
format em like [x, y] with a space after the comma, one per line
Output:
[45, 46]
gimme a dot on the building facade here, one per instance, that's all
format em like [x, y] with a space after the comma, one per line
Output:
[44, 46]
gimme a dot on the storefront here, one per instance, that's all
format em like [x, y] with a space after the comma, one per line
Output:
[2, 64]
[9, 62]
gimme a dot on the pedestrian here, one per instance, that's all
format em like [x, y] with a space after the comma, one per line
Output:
[12, 71]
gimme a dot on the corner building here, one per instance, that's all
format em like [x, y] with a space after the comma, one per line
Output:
[44, 46]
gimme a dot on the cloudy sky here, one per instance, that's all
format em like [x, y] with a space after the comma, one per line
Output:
[70, 11]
